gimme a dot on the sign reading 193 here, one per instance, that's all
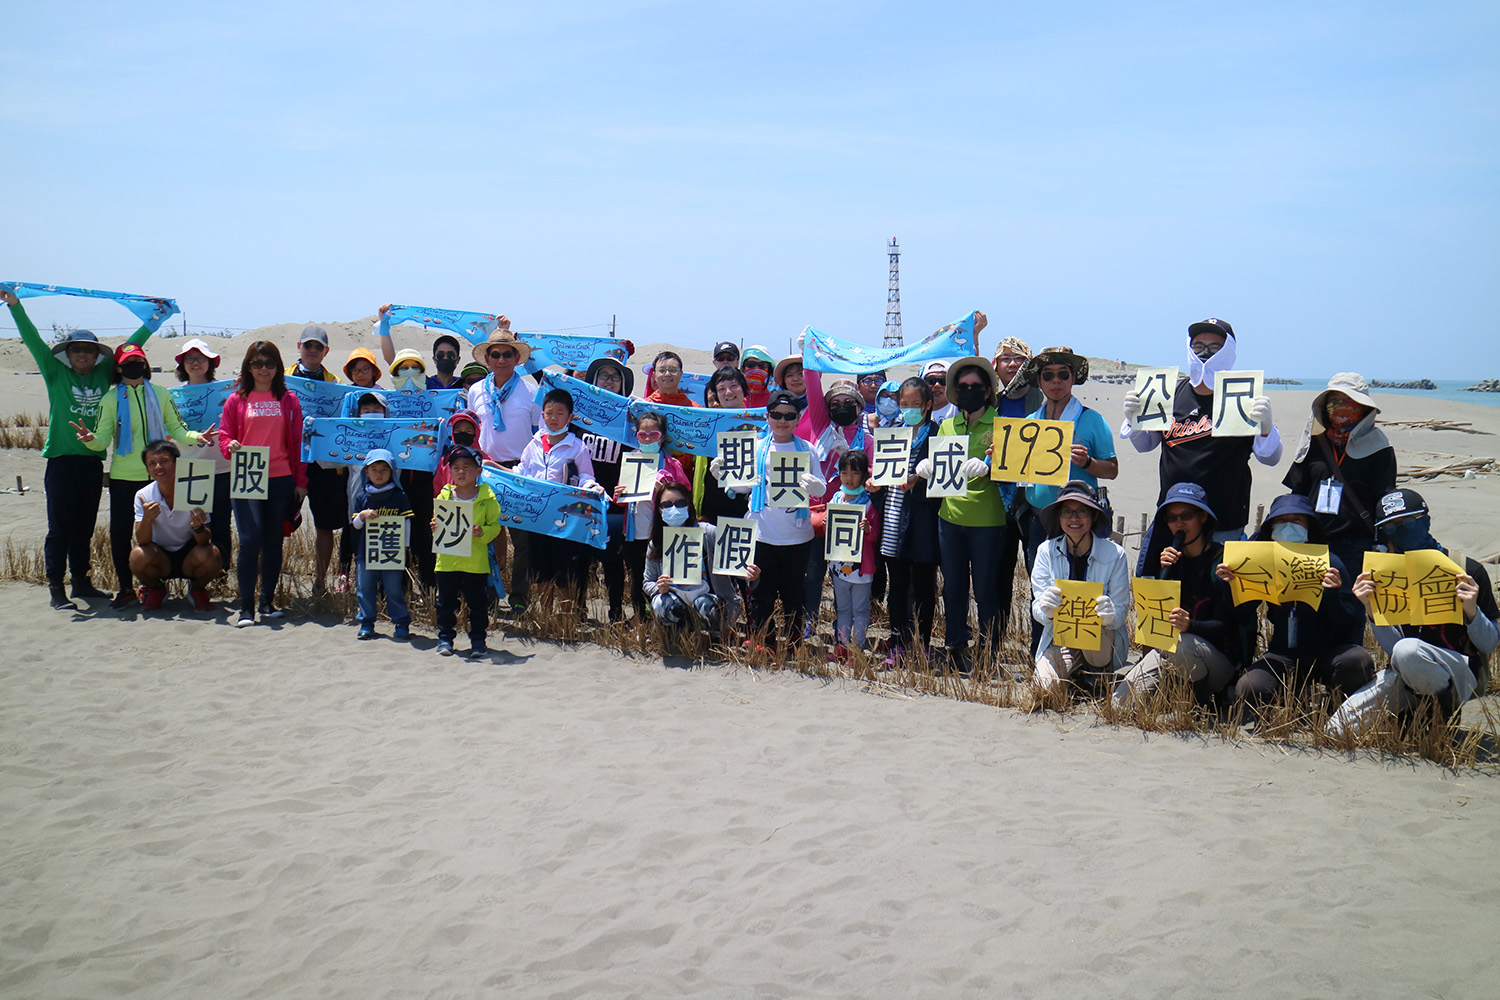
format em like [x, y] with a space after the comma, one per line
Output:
[1032, 451]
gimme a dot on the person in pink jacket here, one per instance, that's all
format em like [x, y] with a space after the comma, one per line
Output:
[263, 413]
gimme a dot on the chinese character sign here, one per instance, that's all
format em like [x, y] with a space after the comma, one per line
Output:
[1300, 569]
[385, 543]
[454, 535]
[1154, 602]
[195, 485]
[734, 552]
[890, 464]
[737, 450]
[682, 554]
[1414, 588]
[844, 535]
[250, 473]
[637, 475]
[784, 472]
[1032, 451]
[1276, 572]
[1155, 387]
[1233, 394]
[948, 453]
[1076, 623]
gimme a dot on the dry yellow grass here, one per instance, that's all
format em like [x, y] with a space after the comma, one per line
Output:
[23, 430]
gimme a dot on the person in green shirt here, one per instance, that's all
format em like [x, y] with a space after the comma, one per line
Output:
[132, 414]
[76, 373]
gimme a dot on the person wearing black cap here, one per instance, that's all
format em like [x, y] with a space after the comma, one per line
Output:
[1211, 633]
[1189, 451]
[1449, 663]
[1324, 645]
[726, 354]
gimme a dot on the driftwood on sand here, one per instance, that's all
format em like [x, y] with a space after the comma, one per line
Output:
[1435, 425]
[1456, 467]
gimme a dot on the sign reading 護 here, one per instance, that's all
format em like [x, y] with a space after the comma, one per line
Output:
[1032, 451]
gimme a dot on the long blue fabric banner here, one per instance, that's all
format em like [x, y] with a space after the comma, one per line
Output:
[823, 353]
[346, 441]
[318, 398]
[200, 405]
[549, 508]
[435, 404]
[692, 429]
[152, 312]
[571, 351]
[472, 326]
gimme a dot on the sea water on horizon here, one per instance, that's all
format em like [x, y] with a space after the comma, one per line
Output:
[1447, 391]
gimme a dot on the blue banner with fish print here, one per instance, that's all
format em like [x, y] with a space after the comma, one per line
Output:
[693, 385]
[434, 404]
[200, 405]
[549, 508]
[318, 398]
[152, 312]
[594, 409]
[571, 351]
[472, 326]
[347, 440]
[691, 429]
[823, 353]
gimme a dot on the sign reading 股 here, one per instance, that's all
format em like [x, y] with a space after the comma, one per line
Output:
[250, 473]
[1032, 451]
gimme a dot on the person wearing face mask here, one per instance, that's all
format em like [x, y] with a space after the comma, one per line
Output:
[135, 412]
[757, 365]
[909, 533]
[789, 377]
[887, 411]
[462, 428]
[446, 353]
[409, 374]
[555, 454]
[708, 604]
[627, 556]
[445, 357]
[1189, 451]
[1324, 645]
[76, 372]
[1017, 398]
[1211, 630]
[970, 526]
[1448, 663]
[1344, 464]
[726, 390]
[832, 424]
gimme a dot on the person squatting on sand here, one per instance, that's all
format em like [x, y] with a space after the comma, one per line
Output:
[706, 604]
[170, 543]
[198, 364]
[1448, 663]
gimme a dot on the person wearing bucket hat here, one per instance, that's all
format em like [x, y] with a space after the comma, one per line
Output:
[135, 412]
[1344, 464]
[789, 377]
[408, 371]
[362, 369]
[508, 416]
[1211, 630]
[1446, 663]
[1189, 451]
[1323, 645]
[380, 495]
[757, 364]
[409, 375]
[76, 372]
[198, 364]
[446, 354]
[1074, 552]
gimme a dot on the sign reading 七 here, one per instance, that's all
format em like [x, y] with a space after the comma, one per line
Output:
[195, 485]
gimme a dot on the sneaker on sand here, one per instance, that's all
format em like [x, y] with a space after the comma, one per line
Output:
[366, 632]
[60, 600]
[402, 633]
[245, 621]
[444, 648]
[267, 611]
[123, 599]
[86, 591]
[480, 652]
[201, 600]
[151, 597]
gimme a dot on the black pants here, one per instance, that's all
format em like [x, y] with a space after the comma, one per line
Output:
[418, 487]
[74, 485]
[471, 587]
[520, 566]
[260, 526]
[1341, 669]
[913, 600]
[221, 521]
[1036, 534]
[781, 575]
[624, 561]
[122, 527]
[1010, 550]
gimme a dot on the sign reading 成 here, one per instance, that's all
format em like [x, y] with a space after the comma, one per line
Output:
[948, 452]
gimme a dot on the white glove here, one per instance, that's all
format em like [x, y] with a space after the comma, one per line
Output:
[840, 446]
[1105, 609]
[1260, 412]
[924, 469]
[801, 338]
[1132, 405]
[813, 484]
[1049, 600]
[716, 469]
[975, 468]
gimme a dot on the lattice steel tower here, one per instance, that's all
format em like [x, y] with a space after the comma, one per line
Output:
[893, 298]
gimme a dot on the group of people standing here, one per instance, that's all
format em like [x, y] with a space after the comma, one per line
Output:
[1341, 492]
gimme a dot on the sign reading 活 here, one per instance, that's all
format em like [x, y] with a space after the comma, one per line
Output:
[1234, 393]
[454, 531]
[890, 462]
[1154, 602]
[844, 537]
[1032, 451]
[734, 552]
[682, 554]
[195, 485]
[1076, 623]
[385, 543]
[737, 452]
[948, 452]
[637, 475]
[1155, 387]
[250, 473]
[784, 472]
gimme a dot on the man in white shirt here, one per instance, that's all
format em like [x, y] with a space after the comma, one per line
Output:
[171, 543]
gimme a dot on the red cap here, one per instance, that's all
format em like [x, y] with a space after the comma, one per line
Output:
[125, 352]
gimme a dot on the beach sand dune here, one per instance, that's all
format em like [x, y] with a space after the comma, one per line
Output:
[193, 811]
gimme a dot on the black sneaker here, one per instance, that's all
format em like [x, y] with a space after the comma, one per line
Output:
[60, 600]
[86, 591]
[266, 611]
[123, 600]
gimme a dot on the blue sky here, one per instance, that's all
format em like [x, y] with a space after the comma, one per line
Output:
[1099, 175]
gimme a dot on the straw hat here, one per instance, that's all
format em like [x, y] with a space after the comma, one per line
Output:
[502, 337]
[1057, 356]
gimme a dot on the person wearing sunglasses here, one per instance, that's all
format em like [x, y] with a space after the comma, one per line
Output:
[1189, 451]
[328, 484]
[935, 375]
[263, 412]
[1211, 630]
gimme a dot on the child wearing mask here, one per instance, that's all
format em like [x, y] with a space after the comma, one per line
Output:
[852, 581]
[909, 531]
[636, 524]
[465, 577]
[378, 495]
[557, 455]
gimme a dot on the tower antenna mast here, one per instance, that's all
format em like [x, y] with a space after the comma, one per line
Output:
[893, 298]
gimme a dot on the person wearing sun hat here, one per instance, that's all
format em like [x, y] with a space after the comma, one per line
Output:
[757, 365]
[1344, 464]
[76, 373]
[198, 364]
[362, 369]
[832, 425]
[789, 376]
[508, 416]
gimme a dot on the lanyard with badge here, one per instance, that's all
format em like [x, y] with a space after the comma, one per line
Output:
[1331, 490]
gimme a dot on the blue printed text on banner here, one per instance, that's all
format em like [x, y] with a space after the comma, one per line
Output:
[318, 398]
[152, 312]
[472, 326]
[823, 353]
[549, 508]
[347, 440]
[571, 351]
[200, 405]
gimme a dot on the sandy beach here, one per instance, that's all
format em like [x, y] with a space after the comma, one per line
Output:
[194, 811]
